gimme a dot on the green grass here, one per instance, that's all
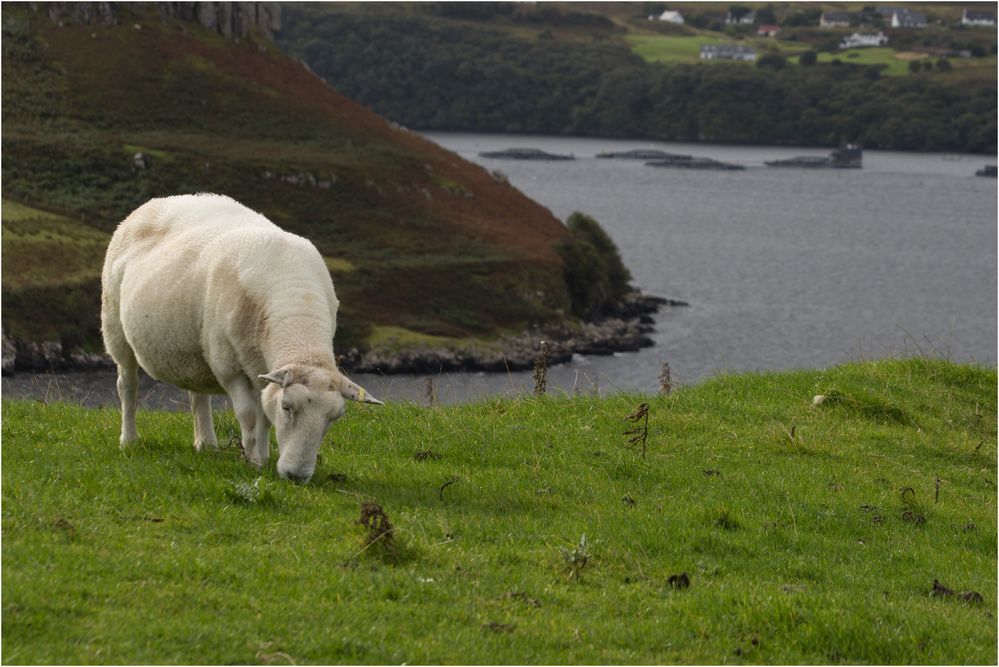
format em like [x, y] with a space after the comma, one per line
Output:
[792, 522]
[670, 48]
[687, 49]
[870, 56]
[72, 251]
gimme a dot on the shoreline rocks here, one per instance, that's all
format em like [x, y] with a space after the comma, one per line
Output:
[624, 329]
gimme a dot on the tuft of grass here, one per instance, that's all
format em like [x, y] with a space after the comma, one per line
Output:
[147, 556]
[863, 404]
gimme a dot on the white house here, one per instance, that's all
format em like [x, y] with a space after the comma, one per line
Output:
[863, 39]
[727, 52]
[977, 18]
[669, 16]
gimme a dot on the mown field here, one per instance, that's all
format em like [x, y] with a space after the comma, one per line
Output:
[687, 48]
[756, 528]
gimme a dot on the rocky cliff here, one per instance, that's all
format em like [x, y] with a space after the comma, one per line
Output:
[229, 19]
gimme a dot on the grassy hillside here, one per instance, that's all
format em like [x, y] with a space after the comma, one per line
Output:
[757, 528]
[604, 69]
[416, 237]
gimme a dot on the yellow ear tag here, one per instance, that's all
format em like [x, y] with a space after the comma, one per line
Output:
[360, 393]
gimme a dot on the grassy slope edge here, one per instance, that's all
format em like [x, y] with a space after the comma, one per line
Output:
[793, 523]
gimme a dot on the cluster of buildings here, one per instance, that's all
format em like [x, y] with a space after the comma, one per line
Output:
[899, 17]
[894, 17]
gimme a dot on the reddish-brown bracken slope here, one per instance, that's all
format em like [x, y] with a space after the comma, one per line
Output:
[418, 237]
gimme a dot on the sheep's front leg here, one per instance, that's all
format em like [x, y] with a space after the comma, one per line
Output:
[128, 387]
[246, 404]
[204, 429]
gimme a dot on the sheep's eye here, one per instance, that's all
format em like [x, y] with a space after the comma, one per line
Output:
[286, 408]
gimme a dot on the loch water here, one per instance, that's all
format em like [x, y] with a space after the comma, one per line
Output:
[783, 268]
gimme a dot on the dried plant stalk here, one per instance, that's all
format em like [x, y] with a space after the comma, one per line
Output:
[640, 432]
[665, 380]
[541, 369]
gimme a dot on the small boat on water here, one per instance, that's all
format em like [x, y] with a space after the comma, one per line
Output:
[987, 170]
[644, 154]
[689, 162]
[525, 154]
[848, 157]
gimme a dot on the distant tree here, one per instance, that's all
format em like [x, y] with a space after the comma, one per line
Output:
[943, 65]
[766, 16]
[927, 64]
[808, 58]
[803, 18]
[771, 60]
[701, 21]
[872, 73]
[738, 11]
[594, 274]
[475, 11]
[914, 66]
[977, 50]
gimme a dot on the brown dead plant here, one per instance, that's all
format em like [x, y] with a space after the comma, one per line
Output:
[541, 369]
[639, 433]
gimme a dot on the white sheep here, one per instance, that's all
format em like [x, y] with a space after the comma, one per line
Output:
[210, 296]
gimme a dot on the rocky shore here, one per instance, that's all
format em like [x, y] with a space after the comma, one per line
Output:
[625, 329]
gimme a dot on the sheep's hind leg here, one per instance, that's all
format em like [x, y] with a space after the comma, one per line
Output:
[246, 404]
[204, 429]
[128, 388]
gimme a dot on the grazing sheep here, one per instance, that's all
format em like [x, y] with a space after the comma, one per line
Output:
[210, 296]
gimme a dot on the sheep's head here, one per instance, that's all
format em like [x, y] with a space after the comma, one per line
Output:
[302, 401]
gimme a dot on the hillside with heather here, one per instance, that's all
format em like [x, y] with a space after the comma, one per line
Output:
[102, 111]
[616, 70]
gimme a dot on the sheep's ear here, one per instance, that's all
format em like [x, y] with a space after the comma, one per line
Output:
[280, 376]
[356, 392]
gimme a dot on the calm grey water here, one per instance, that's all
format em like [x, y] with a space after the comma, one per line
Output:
[784, 268]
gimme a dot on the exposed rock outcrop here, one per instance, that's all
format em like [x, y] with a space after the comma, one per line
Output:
[229, 19]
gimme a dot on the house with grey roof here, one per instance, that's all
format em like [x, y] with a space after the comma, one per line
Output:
[727, 52]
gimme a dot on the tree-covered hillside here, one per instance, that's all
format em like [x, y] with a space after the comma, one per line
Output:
[451, 68]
